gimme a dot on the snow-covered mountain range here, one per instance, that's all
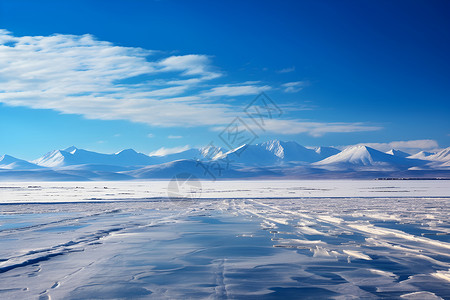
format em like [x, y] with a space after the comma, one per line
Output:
[271, 159]
[366, 158]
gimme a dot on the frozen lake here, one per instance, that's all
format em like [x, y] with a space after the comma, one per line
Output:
[235, 239]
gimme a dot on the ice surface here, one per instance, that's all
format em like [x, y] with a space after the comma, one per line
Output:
[238, 239]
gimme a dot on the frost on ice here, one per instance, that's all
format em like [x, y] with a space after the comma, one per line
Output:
[238, 239]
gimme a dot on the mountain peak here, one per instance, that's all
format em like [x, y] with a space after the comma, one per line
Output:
[290, 151]
[363, 157]
[272, 143]
[7, 157]
[359, 147]
[71, 149]
[325, 152]
[398, 153]
[211, 152]
[127, 151]
[359, 154]
[62, 158]
[362, 149]
[443, 155]
[274, 146]
[13, 163]
[422, 155]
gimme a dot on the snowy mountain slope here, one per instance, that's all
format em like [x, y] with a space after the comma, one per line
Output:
[398, 153]
[271, 159]
[438, 161]
[443, 155]
[272, 152]
[204, 170]
[45, 174]
[71, 149]
[75, 156]
[96, 167]
[421, 155]
[95, 174]
[186, 154]
[290, 151]
[363, 157]
[443, 166]
[325, 152]
[129, 157]
[11, 163]
[38, 175]
[250, 155]
[56, 158]
[208, 152]
[168, 170]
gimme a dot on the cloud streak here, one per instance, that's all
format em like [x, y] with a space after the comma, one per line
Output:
[286, 70]
[293, 87]
[98, 80]
[316, 129]
[236, 90]
[166, 151]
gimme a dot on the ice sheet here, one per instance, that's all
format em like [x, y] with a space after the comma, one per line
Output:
[240, 239]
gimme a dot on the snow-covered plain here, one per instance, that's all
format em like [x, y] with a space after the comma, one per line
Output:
[235, 239]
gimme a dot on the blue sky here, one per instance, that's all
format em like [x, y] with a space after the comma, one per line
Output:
[108, 75]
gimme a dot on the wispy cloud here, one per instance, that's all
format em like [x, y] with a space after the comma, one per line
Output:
[316, 129]
[98, 80]
[150, 135]
[189, 65]
[166, 151]
[81, 75]
[174, 137]
[287, 70]
[236, 90]
[294, 87]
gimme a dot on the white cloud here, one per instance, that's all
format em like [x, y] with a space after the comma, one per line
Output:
[174, 137]
[411, 146]
[81, 75]
[315, 129]
[286, 70]
[236, 90]
[150, 135]
[195, 65]
[166, 151]
[293, 87]
[423, 144]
